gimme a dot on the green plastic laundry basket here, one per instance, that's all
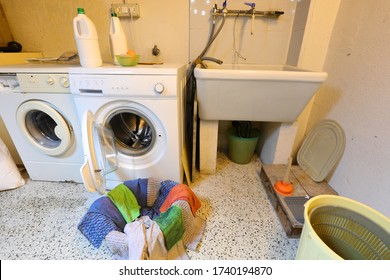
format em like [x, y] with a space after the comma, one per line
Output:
[337, 227]
[240, 149]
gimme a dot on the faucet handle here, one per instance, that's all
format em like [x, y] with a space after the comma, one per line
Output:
[251, 4]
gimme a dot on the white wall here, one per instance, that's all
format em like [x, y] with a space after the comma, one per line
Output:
[46, 26]
[357, 96]
[269, 43]
[298, 31]
[319, 27]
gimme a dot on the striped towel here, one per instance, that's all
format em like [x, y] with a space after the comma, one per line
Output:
[95, 227]
[101, 218]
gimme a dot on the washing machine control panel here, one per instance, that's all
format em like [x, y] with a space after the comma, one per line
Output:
[8, 83]
[120, 85]
[42, 82]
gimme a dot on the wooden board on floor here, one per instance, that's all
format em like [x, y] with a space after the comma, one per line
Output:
[311, 188]
[303, 186]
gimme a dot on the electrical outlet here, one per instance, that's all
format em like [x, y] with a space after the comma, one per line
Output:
[125, 10]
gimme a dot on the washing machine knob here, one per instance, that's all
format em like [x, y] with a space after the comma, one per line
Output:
[159, 88]
[64, 81]
[50, 80]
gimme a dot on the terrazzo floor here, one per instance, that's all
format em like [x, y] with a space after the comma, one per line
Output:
[39, 220]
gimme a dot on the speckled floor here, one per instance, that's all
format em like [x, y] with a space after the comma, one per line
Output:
[39, 220]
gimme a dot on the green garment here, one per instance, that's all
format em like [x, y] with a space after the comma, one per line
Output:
[171, 225]
[125, 201]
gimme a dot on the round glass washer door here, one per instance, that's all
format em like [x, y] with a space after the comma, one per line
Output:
[134, 132]
[44, 127]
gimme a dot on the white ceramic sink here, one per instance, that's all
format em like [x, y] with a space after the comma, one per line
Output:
[275, 93]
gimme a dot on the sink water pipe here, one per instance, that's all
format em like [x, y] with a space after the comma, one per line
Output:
[252, 11]
[246, 13]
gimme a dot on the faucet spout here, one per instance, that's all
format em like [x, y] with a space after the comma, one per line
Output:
[216, 60]
[197, 61]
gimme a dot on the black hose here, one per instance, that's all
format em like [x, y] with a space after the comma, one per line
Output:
[212, 37]
[190, 99]
[243, 128]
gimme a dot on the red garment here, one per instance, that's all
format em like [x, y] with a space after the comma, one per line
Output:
[181, 192]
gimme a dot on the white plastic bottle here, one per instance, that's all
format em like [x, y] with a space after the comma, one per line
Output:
[118, 41]
[86, 40]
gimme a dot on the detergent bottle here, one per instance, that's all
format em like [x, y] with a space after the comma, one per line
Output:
[86, 40]
[118, 41]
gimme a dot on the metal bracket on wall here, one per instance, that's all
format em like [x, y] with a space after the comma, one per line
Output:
[126, 10]
[247, 13]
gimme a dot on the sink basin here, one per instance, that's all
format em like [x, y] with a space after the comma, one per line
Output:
[274, 93]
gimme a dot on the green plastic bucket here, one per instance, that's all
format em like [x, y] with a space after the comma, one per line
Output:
[241, 150]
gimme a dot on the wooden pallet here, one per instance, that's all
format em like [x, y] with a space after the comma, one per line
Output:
[303, 185]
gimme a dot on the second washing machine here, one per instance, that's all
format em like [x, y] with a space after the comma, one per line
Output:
[39, 113]
[132, 122]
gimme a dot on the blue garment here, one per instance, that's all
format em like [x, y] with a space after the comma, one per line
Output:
[95, 227]
[163, 192]
[150, 212]
[154, 211]
[139, 188]
[101, 218]
[106, 207]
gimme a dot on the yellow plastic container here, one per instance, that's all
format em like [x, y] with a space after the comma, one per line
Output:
[337, 227]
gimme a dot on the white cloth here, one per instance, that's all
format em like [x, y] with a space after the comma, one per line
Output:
[10, 177]
[146, 241]
[118, 242]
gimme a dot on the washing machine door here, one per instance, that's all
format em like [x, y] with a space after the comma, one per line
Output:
[100, 154]
[44, 127]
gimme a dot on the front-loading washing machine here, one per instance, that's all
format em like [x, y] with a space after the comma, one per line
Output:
[132, 122]
[38, 110]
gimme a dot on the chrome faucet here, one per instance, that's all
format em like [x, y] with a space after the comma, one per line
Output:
[252, 11]
[252, 5]
[222, 11]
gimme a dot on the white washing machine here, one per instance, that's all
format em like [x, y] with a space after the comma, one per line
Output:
[39, 113]
[132, 122]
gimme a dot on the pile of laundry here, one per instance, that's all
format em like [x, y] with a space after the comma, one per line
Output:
[145, 219]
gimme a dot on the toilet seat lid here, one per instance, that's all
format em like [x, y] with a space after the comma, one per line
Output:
[321, 149]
